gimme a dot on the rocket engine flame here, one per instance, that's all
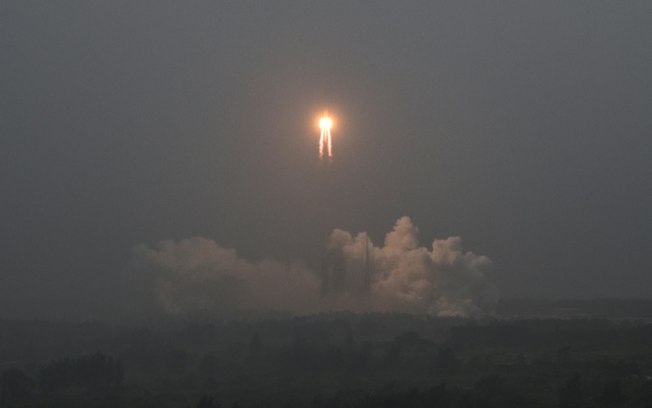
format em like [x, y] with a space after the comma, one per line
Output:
[325, 141]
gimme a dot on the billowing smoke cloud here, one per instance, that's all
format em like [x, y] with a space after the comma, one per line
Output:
[198, 276]
[401, 275]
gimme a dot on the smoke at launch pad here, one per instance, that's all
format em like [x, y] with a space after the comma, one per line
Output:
[198, 276]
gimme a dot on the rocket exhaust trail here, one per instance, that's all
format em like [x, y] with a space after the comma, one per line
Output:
[325, 141]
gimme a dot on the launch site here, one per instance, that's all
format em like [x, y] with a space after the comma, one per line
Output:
[325, 204]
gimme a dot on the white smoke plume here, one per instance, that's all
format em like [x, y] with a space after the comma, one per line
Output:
[198, 276]
[441, 280]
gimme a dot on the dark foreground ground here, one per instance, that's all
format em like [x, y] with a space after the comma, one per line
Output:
[337, 360]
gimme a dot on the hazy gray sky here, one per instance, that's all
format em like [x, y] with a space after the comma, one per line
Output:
[523, 127]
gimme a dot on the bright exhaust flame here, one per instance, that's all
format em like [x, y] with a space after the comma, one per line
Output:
[325, 141]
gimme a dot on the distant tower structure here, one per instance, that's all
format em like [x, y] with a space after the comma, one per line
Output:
[333, 273]
[367, 266]
[337, 276]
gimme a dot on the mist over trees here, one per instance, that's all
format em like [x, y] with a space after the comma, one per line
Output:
[329, 360]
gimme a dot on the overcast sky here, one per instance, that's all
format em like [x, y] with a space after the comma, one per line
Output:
[523, 127]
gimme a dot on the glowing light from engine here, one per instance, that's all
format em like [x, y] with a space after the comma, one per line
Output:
[325, 140]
